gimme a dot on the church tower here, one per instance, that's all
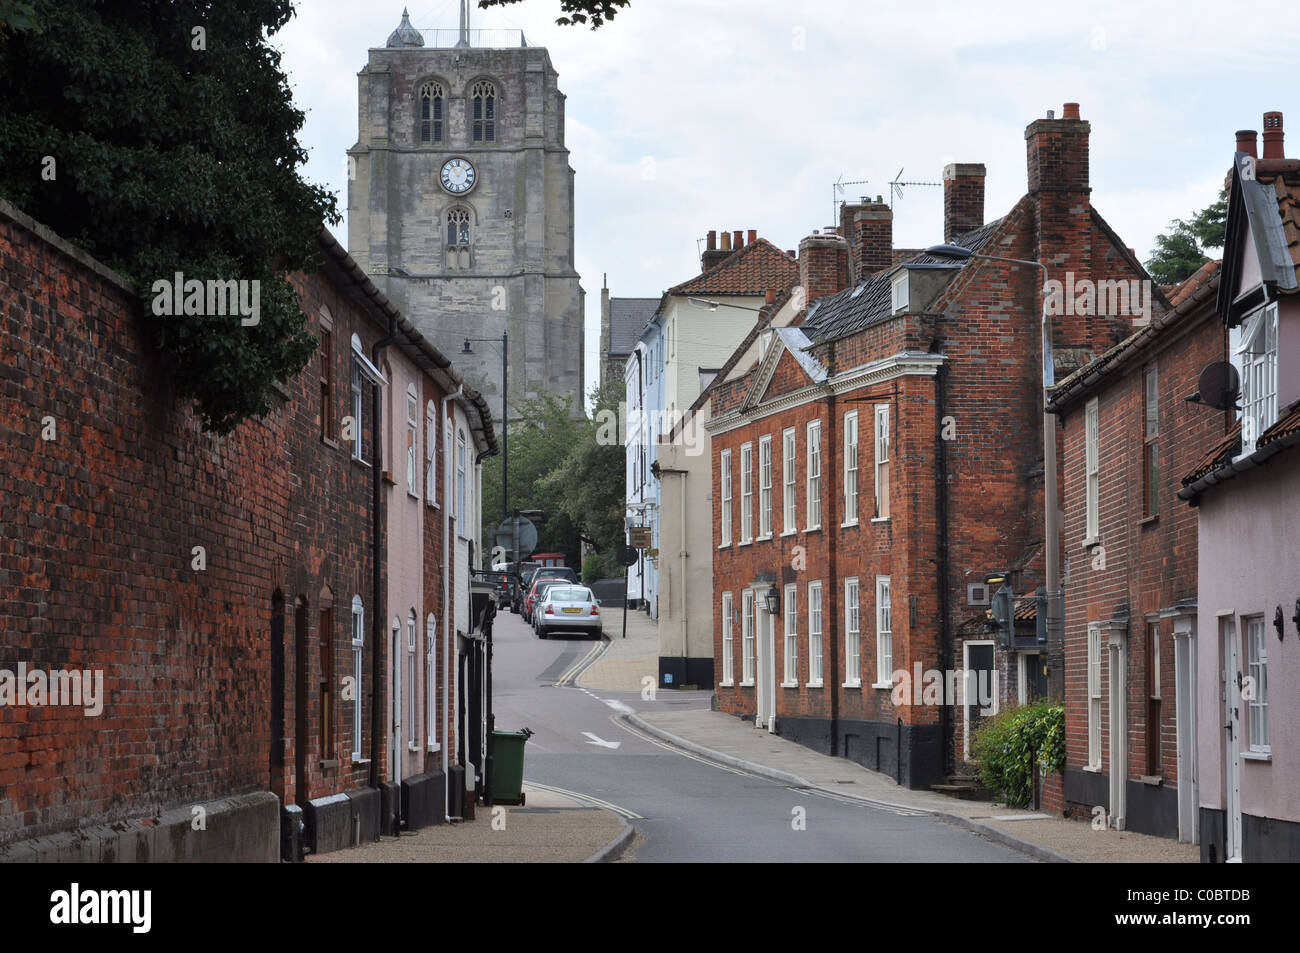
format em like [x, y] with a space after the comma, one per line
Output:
[460, 203]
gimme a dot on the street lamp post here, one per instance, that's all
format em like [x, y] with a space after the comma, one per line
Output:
[1051, 515]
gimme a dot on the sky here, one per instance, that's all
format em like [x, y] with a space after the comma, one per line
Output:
[690, 115]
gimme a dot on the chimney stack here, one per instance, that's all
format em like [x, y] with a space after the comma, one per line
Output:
[1273, 136]
[963, 195]
[868, 227]
[713, 255]
[1058, 153]
[1248, 142]
[823, 265]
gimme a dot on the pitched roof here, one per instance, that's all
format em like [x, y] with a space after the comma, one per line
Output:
[627, 316]
[870, 301]
[1219, 465]
[1270, 205]
[752, 270]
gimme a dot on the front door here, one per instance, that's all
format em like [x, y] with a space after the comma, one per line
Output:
[1118, 733]
[1232, 739]
[1185, 727]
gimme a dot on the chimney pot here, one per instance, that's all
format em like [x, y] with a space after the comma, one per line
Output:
[1051, 114]
[1247, 142]
[726, 241]
[752, 237]
[1071, 111]
[1273, 136]
[738, 239]
[713, 240]
[770, 295]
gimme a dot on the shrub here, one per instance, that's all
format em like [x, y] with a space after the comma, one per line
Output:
[1005, 746]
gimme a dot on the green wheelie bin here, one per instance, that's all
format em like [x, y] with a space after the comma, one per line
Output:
[508, 766]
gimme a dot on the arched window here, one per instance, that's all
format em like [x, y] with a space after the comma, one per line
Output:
[458, 239]
[483, 102]
[431, 115]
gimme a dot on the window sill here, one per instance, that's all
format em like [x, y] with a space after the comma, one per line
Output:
[745, 684]
[880, 519]
[790, 532]
[388, 478]
[726, 684]
[1265, 756]
[329, 442]
[434, 748]
[1092, 768]
[855, 683]
[1152, 780]
[766, 537]
[1149, 520]
[816, 684]
[745, 542]
[282, 390]
[849, 523]
[724, 545]
[789, 684]
[813, 529]
[360, 462]
[356, 760]
[1090, 541]
[329, 764]
[886, 686]
[414, 496]
[431, 504]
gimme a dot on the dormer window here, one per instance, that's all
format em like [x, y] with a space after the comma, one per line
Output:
[1258, 351]
[901, 293]
[431, 112]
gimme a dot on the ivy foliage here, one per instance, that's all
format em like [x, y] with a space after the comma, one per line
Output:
[1006, 747]
[161, 136]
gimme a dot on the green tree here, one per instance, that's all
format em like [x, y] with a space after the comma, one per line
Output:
[597, 12]
[591, 479]
[1180, 253]
[161, 136]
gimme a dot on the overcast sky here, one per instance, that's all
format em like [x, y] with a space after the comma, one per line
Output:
[690, 115]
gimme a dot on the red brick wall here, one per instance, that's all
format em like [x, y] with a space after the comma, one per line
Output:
[99, 525]
[1142, 565]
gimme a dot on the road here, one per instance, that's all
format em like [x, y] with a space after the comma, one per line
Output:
[687, 808]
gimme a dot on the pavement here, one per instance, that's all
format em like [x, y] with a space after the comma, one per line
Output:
[549, 828]
[728, 740]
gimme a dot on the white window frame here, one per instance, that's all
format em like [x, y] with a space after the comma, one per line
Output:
[747, 637]
[358, 413]
[881, 465]
[900, 291]
[851, 468]
[1258, 351]
[789, 460]
[765, 487]
[813, 475]
[358, 648]
[884, 634]
[815, 635]
[790, 667]
[1092, 470]
[412, 442]
[746, 493]
[431, 682]
[461, 481]
[431, 454]
[1257, 668]
[852, 633]
[1094, 696]
[728, 641]
[724, 530]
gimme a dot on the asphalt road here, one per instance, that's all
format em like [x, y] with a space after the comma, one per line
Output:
[689, 809]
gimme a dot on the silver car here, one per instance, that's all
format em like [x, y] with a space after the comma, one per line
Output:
[568, 606]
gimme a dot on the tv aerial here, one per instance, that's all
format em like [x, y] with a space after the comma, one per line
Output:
[897, 183]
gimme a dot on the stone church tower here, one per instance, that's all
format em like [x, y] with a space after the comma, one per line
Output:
[460, 203]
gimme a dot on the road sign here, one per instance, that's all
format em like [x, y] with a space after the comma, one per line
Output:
[516, 527]
[639, 537]
[628, 557]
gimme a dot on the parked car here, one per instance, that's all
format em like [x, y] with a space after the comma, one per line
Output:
[499, 580]
[543, 587]
[568, 607]
[544, 572]
[517, 572]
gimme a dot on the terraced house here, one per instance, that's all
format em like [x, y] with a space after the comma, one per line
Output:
[881, 460]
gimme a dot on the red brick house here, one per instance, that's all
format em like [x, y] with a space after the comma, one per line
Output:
[900, 423]
[221, 594]
[1128, 434]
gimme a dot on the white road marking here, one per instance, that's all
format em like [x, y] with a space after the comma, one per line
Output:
[595, 740]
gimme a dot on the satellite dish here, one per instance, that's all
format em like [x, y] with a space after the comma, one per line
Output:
[1219, 384]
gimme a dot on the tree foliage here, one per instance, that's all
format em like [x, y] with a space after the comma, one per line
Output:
[161, 136]
[596, 12]
[1009, 745]
[1181, 252]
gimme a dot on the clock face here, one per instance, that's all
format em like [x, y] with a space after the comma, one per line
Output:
[458, 176]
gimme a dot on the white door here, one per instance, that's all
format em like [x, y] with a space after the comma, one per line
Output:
[1232, 740]
[1118, 733]
[1185, 728]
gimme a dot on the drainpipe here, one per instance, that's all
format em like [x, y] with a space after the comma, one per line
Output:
[832, 551]
[377, 534]
[446, 608]
[941, 518]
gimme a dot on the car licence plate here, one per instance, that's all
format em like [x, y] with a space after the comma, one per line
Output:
[573, 610]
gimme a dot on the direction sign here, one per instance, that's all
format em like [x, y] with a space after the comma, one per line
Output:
[519, 527]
